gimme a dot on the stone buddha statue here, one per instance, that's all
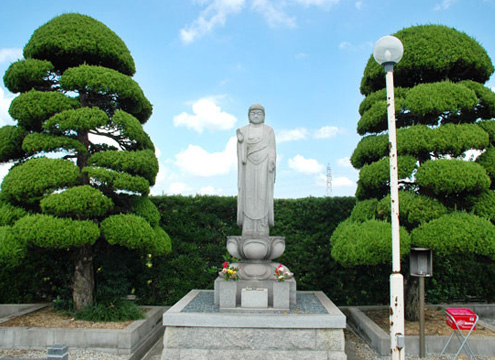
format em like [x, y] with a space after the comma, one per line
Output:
[256, 175]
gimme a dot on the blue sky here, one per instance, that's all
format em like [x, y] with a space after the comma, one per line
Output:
[202, 63]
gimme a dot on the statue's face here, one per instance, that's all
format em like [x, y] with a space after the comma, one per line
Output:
[256, 117]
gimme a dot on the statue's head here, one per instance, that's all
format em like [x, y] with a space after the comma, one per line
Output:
[256, 114]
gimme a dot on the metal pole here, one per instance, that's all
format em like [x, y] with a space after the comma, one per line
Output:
[396, 279]
[421, 317]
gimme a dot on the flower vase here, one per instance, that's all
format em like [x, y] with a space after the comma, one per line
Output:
[228, 294]
[281, 295]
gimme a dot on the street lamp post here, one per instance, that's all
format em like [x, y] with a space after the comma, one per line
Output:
[387, 52]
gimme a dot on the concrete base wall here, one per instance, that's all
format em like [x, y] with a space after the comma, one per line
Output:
[214, 335]
[130, 340]
[252, 343]
[380, 340]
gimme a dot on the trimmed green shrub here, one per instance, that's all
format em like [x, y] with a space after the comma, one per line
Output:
[47, 231]
[366, 243]
[142, 162]
[414, 209]
[452, 177]
[105, 82]
[85, 118]
[30, 181]
[433, 53]
[11, 138]
[90, 42]
[31, 108]
[467, 233]
[80, 202]
[364, 210]
[26, 74]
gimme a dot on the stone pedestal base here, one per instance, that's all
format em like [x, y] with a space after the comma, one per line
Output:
[280, 294]
[312, 329]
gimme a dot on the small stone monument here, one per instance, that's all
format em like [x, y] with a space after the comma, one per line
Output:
[256, 249]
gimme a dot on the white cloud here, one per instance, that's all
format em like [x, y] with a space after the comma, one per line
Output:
[216, 12]
[345, 45]
[274, 17]
[301, 55]
[305, 166]
[4, 169]
[342, 181]
[444, 5]
[210, 190]
[344, 162]
[178, 188]
[213, 16]
[206, 115]
[5, 100]
[327, 132]
[326, 4]
[197, 161]
[292, 135]
[358, 4]
[10, 55]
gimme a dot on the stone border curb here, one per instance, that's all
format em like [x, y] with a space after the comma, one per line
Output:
[135, 340]
[380, 340]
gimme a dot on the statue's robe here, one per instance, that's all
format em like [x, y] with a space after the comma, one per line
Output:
[255, 151]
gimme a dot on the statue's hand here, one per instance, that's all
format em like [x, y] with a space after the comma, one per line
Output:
[240, 137]
[271, 165]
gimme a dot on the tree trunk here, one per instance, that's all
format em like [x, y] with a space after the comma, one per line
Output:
[84, 280]
[411, 300]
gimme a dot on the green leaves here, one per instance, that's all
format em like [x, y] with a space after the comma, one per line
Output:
[114, 181]
[457, 233]
[50, 232]
[36, 142]
[70, 40]
[143, 163]
[366, 243]
[130, 128]
[414, 209]
[432, 53]
[452, 177]
[11, 138]
[374, 178]
[135, 232]
[118, 90]
[86, 118]
[80, 202]
[28, 182]
[9, 214]
[27, 74]
[428, 104]
[430, 101]
[487, 160]
[30, 109]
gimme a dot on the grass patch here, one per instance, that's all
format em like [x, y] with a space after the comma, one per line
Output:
[116, 310]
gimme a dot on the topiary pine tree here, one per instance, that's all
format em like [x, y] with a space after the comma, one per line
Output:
[443, 112]
[83, 165]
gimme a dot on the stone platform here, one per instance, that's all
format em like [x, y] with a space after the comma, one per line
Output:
[311, 329]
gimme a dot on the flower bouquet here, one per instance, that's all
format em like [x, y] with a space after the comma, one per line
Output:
[282, 273]
[229, 272]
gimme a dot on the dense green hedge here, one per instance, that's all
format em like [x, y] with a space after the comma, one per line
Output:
[199, 226]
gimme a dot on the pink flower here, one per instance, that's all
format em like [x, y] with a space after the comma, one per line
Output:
[225, 265]
[224, 270]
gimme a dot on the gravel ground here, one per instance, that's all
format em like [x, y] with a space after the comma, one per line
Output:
[74, 354]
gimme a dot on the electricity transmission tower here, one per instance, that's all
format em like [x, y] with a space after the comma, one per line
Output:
[329, 180]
